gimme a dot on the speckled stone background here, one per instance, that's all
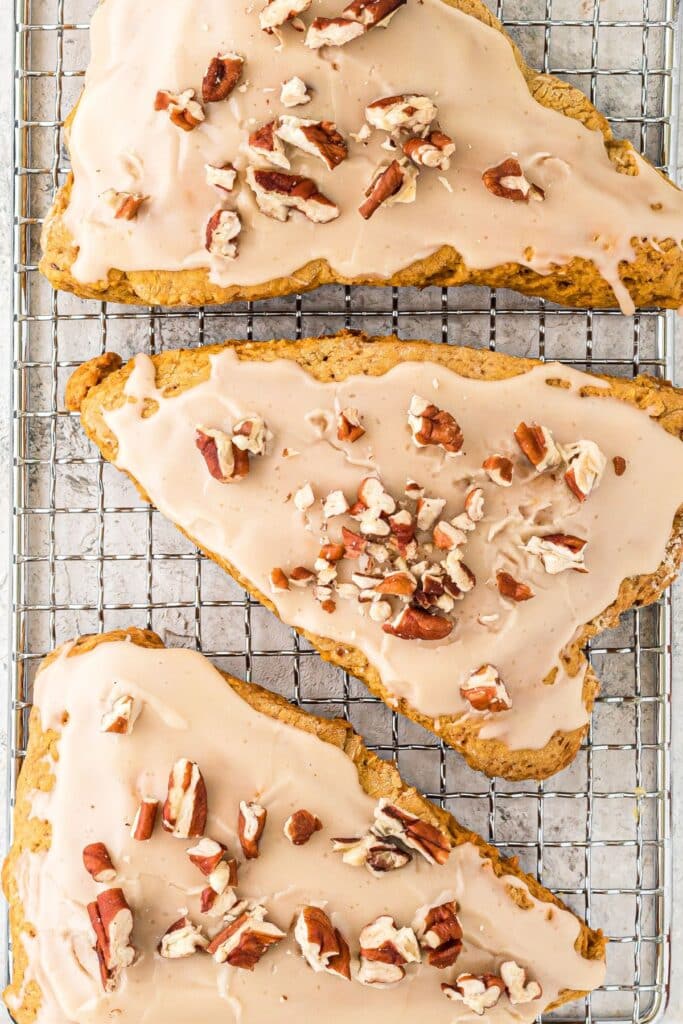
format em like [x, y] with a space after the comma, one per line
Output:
[617, 9]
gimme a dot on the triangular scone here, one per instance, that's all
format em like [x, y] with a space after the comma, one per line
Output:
[245, 160]
[328, 886]
[403, 555]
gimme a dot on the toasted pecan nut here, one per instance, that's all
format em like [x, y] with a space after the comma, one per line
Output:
[185, 809]
[221, 177]
[439, 932]
[277, 193]
[518, 988]
[145, 819]
[585, 466]
[223, 74]
[264, 142]
[224, 460]
[121, 715]
[181, 939]
[125, 205]
[319, 138]
[431, 425]
[277, 12]
[222, 229]
[416, 624]
[499, 469]
[349, 425]
[397, 584]
[413, 832]
[507, 181]
[385, 950]
[98, 863]
[301, 826]
[619, 463]
[354, 543]
[250, 825]
[508, 586]
[112, 922]
[322, 945]
[407, 111]
[387, 184]
[372, 12]
[485, 690]
[478, 992]
[278, 580]
[184, 111]
[538, 445]
[333, 32]
[245, 940]
[434, 150]
[559, 552]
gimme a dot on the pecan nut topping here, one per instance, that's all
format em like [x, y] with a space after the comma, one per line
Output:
[478, 992]
[223, 74]
[508, 586]
[319, 138]
[439, 932]
[431, 425]
[485, 691]
[277, 194]
[301, 826]
[185, 809]
[507, 181]
[323, 946]
[183, 109]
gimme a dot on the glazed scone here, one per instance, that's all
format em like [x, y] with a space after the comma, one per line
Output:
[249, 156]
[241, 895]
[449, 525]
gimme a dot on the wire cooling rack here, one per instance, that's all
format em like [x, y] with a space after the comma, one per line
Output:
[87, 556]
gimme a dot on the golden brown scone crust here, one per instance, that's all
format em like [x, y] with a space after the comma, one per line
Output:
[341, 356]
[654, 278]
[377, 777]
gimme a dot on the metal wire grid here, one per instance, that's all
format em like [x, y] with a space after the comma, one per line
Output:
[87, 556]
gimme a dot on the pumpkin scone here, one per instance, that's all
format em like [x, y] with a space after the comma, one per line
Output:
[254, 150]
[449, 525]
[191, 847]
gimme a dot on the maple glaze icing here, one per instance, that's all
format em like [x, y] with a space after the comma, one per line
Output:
[467, 68]
[189, 711]
[255, 525]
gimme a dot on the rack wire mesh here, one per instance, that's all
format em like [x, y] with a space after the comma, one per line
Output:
[88, 556]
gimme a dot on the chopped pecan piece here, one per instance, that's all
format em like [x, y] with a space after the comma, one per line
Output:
[294, 92]
[319, 138]
[224, 460]
[265, 143]
[304, 497]
[300, 576]
[393, 184]
[182, 939]
[121, 715]
[322, 945]
[438, 931]
[125, 205]
[223, 74]
[223, 178]
[185, 809]
[431, 425]
[479, 993]
[250, 826]
[559, 552]
[245, 940]
[372, 12]
[97, 862]
[222, 229]
[219, 904]
[619, 463]
[416, 624]
[407, 112]
[382, 943]
[277, 12]
[498, 469]
[519, 990]
[144, 820]
[508, 586]
[354, 544]
[335, 504]
[349, 425]
[474, 504]
[250, 434]
[333, 32]
[112, 922]
[415, 833]
[277, 193]
[397, 584]
[585, 466]
[538, 444]
[278, 580]
[300, 827]
[428, 511]
[486, 691]
[446, 536]
[435, 150]
[183, 109]
[206, 855]
[507, 181]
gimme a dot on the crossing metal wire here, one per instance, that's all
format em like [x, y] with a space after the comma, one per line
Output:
[87, 556]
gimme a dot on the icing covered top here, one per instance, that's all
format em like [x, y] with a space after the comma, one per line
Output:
[427, 49]
[293, 501]
[184, 709]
